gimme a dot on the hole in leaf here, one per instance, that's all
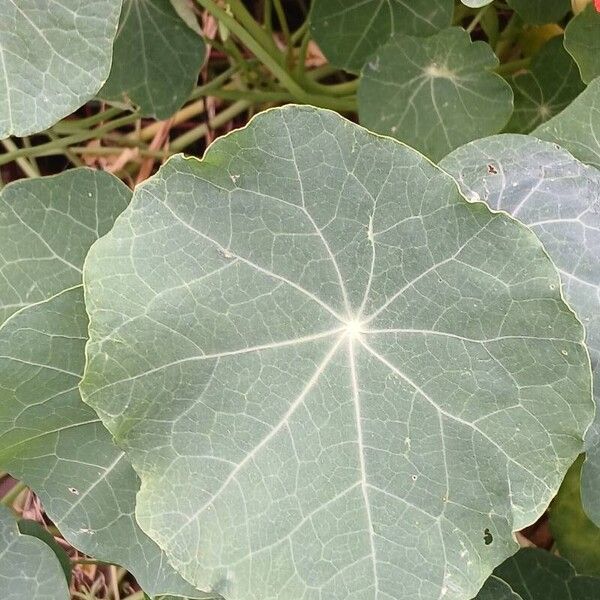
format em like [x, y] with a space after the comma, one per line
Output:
[492, 170]
[488, 538]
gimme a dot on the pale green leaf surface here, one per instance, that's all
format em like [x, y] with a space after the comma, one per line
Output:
[434, 93]
[535, 574]
[577, 127]
[332, 372]
[559, 198]
[54, 56]
[349, 31]
[549, 86]
[48, 437]
[577, 538]
[476, 3]
[29, 569]
[157, 57]
[539, 12]
[582, 40]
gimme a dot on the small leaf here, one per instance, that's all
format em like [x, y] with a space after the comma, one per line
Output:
[538, 12]
[330, 370]
[34, 529]
[476, 3]
[577, 538]
[157, 57]
[582, 40]
[534, 574]
[549, 86]
[53, 59]
[29, 569]
[48, 437]
[434, 93]
[577, 127]
[348, 31]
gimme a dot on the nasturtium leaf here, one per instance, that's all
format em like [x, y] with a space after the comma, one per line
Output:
[559, 198]
[577, 128]
[35, 529]
[539, 12]
[157, 57]
[48, 437]
[335, 376]
[476, 3]
[582, 40]
[546, 88]
[577, 538]
[53, 58]
[29, 569]
[535, 574]
[349, 31]
[434, 93]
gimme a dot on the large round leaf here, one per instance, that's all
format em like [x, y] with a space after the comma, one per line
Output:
[434, 93]
[156, 58]
[547, 87]
[582, 40]
[559, 198]
[335, 376]
[54, 56]
[48, 437]
[28, 567]
[348, 31]
[577, 128]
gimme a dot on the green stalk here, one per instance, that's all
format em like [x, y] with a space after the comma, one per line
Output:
[13, 494]
[251, 41]
[189, 137]
[67, 141]
[477, 18]
[511, 67]
[25, 165]
[71, 125]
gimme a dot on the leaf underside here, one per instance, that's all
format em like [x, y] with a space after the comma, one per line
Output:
[330, 370]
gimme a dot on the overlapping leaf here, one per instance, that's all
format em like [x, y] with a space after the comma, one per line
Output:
[577, 538]
[582, 40]
[577, 128]
[434, 93]
[53, 58]
[157, 57]
[28, 567]
[335, 376]
[559, 198]
[540, 11]
[546, 88]
[349, 31]
[48, 437]
[534, 574]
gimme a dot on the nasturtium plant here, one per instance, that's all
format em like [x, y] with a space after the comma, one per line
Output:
[550, 84]
[29, 568]
[157, 58]
[347, 365]
[349, 31]
[53, 58]
[47, 226]
[583, 42]
[347, 348]
[434, 93]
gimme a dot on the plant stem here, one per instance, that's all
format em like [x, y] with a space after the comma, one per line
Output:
[513, 66]
[283, 23]
[268, 57]
[63, 142]
[189, 137]
[477, 18]
[71, 125]
[13, 493]
[113, 150]
[27, 167]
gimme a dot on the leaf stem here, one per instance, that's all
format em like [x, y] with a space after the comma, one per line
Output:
[511, 67]
[25, 165]
[477, 18]
[12, 494]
